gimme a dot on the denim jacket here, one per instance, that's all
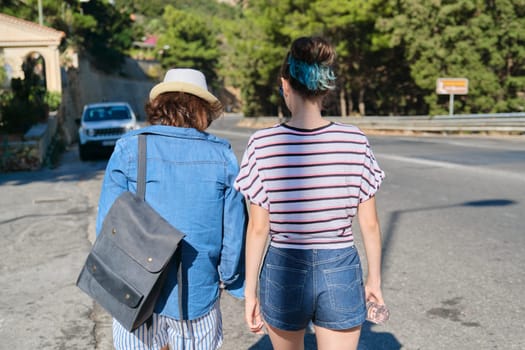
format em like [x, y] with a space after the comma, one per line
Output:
[189, 181]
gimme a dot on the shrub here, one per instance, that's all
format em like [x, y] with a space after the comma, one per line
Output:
[26, 104]
[52, 100]
[23, 108]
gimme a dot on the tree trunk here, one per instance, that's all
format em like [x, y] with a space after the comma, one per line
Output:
[362, 102]
[342, 103]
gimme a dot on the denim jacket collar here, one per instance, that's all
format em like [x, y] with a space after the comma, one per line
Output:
[174, 131]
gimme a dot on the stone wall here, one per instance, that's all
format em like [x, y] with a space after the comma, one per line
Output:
[28, 151]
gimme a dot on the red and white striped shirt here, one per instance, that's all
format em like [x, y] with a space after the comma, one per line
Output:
[310, 181]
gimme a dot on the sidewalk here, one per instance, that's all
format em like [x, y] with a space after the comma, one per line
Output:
[43, 223]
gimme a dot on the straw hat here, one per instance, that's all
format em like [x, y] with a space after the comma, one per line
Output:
[186, 80]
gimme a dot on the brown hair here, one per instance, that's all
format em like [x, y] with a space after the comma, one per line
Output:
[311, 51]
[183, 110]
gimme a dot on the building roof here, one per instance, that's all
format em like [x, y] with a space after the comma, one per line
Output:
[17, 32]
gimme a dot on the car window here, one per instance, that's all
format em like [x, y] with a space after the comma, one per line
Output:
[106, 113]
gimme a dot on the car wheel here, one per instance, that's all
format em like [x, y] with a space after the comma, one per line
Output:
[83, 153]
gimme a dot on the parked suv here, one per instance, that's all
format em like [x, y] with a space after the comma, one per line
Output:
[101, 125]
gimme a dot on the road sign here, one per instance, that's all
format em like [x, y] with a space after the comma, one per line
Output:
[452, 86]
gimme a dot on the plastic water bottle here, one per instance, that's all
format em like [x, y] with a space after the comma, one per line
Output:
[376, 313]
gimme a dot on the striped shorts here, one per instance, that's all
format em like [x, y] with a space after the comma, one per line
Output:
[203, 333]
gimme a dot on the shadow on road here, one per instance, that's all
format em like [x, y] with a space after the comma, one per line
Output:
[396, 215]
[369, 340]
[70, 168]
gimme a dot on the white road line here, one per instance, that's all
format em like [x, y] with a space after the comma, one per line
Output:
[431, 163]
[448, 165]
[489, 143]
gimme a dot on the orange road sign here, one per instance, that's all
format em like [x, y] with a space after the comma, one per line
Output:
[452, 86]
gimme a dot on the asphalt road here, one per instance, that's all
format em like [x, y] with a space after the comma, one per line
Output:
[452, 211]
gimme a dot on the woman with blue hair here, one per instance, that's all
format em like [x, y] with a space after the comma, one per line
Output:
[306, 180]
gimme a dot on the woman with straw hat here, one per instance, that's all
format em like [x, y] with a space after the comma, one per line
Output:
[189, 181]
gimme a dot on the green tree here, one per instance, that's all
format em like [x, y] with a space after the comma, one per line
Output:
[103, 32]
[19, 8]
[155, 8]
[96, 27]
[3, 73]
[189, 41]
[256, 50]
[478, 40]
[52, 11]
[349, 25]
[367, 69]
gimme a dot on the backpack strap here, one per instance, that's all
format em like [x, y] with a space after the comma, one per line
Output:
[141, 170]
[141, 193]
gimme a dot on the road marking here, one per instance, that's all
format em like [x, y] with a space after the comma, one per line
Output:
[49, 200]
[432, 163]
[449, 165]
[489, 143]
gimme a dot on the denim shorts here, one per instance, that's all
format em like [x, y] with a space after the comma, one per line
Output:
[324, 286]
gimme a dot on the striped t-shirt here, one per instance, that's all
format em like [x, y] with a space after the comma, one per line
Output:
[310, 181]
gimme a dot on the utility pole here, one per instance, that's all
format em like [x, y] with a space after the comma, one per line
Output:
[40, 13]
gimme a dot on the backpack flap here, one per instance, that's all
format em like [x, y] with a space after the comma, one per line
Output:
[140, 232]
[112, 282]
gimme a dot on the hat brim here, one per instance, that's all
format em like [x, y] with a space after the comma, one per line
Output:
[177, 86]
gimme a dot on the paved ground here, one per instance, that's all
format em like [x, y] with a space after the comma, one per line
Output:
[46, 228]
[452, 212]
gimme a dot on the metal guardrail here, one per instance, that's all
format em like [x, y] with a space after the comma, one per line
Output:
[509, 123]
[485, 115]
[500, 123]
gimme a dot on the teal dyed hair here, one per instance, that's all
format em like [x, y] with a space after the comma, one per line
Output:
[313, 76]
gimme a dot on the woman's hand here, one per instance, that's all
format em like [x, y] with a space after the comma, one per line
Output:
[253, 315]
[373, 293]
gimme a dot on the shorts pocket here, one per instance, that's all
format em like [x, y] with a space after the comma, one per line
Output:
[345, 288]
[284, 287]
